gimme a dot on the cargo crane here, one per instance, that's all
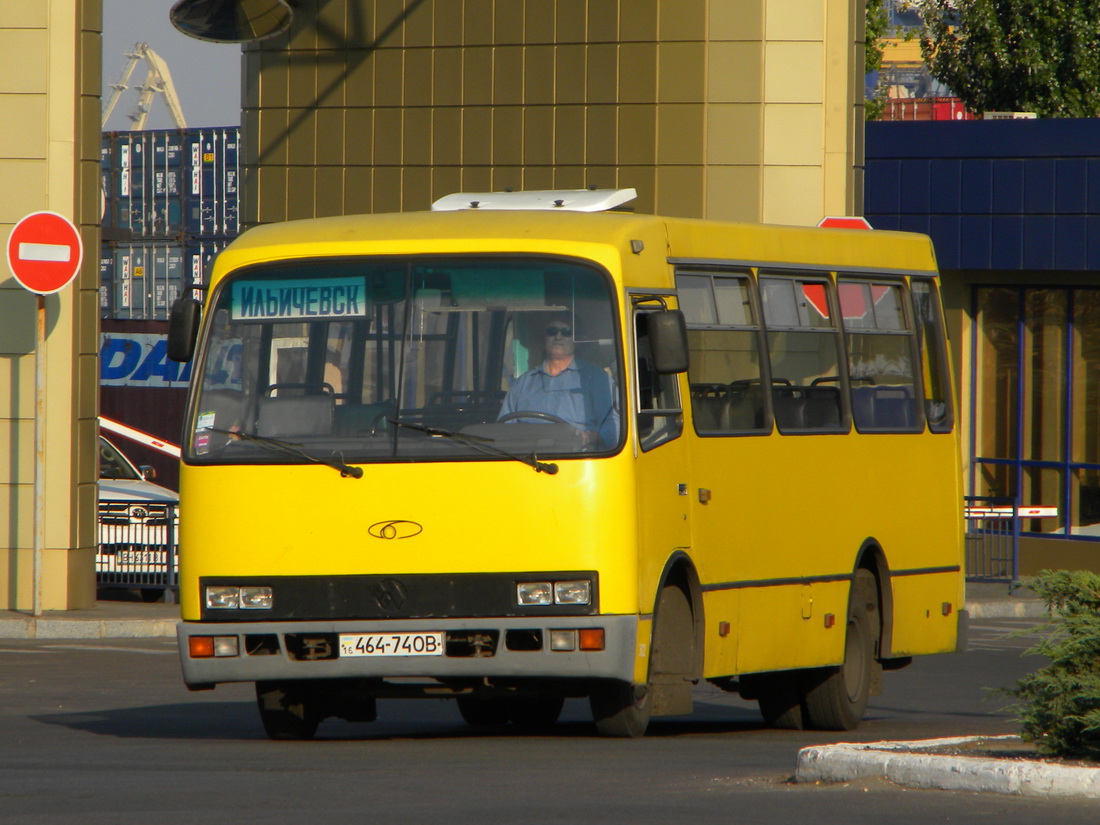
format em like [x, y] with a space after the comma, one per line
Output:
[159, 79]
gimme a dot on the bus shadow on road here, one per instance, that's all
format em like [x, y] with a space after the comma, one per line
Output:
[398, 719]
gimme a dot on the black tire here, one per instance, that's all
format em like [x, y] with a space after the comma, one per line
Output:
[617, 707]
[836, 698]
[780, 698]
[483, 713]
[618, 711]
[533, 713]
[287, 711]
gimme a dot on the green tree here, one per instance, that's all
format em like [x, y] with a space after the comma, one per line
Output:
[1059, 705]
[874, 32]
[1039, 56]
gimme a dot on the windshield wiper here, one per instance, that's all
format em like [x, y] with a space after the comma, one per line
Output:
[479, 443]
[286, 448]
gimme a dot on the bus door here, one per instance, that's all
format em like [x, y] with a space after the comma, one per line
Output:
[662, 460]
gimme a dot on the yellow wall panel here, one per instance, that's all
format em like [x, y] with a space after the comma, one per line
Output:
[795, 73]
[682, 20]
[637, 134]
[793, 19]
[569, 20]
[508, 76]
[682, 74]
[638, 73]
[734, 133]
[638, 20]
[733, 193]
[477, 135]
[680, 134]
[508, 136]
[569, 139]
[601, 136]
[792, 135]
[447, 137]
[735, 72]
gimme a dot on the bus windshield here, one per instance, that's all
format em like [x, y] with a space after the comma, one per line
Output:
[413, 359]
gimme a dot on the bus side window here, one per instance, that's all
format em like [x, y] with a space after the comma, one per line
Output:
[880, 356]
[931, 339]
[804, 355]
[725, 375]
[659, 415]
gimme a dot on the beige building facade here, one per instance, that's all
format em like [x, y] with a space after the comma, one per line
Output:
[728, 109]
[49, 160]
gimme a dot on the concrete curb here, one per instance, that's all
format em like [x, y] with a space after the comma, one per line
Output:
[903, 764]
[42, 628]
[1008, 609]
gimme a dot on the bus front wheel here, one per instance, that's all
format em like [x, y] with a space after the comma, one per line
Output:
[286, 711]
[623, 709]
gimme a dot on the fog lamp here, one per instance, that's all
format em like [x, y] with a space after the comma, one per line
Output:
[226, 646]
[563, 640]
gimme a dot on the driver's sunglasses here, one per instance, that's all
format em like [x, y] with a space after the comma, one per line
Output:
[565, 332]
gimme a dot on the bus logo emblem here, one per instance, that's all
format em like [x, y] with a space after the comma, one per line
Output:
[389, 594]
[395, 529]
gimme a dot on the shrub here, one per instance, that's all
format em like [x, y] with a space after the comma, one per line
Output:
[1059, 705]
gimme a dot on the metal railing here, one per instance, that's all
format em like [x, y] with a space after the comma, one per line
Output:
[138, 546]
[992, 539]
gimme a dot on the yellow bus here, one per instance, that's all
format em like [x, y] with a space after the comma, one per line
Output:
[522, 448]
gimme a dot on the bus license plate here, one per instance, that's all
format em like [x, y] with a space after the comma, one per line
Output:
[391, 644]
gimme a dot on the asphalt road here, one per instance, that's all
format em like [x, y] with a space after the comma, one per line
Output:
[105, 732]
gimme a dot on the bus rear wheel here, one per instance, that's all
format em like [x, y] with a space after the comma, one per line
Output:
[287, 711]
[836, 698]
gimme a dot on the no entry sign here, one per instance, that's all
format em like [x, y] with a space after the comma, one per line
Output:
[45, 252]
[844, 222]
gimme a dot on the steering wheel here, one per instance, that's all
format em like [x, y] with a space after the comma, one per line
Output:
[533, 414]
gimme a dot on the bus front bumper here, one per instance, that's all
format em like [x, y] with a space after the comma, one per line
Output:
[485, 648]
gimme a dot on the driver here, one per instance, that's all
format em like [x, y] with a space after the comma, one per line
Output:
[578, 393]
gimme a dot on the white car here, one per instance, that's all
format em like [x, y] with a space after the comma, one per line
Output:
[134, 515]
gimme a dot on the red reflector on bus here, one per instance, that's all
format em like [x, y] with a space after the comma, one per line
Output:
[590, 638]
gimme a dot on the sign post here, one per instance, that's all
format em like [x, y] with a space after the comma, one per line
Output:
[44, 254]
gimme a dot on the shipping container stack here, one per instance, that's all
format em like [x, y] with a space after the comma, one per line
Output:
[170, 204]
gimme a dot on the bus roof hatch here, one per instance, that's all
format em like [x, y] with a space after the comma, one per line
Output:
[573, 200]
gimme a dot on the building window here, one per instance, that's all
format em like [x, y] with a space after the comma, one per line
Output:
[1036, 420]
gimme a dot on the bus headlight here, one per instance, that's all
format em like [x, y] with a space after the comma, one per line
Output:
[256, 598]
[228, 597]
[543, 593]
[578, 592]
[531, 593]
[221, 597]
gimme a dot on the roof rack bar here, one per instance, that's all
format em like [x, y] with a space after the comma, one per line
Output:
[570, 200]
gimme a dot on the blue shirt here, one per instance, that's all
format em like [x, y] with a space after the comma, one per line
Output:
[581, 394]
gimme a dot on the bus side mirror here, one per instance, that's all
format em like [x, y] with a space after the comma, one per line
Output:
[183, 328]
[668, 341]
